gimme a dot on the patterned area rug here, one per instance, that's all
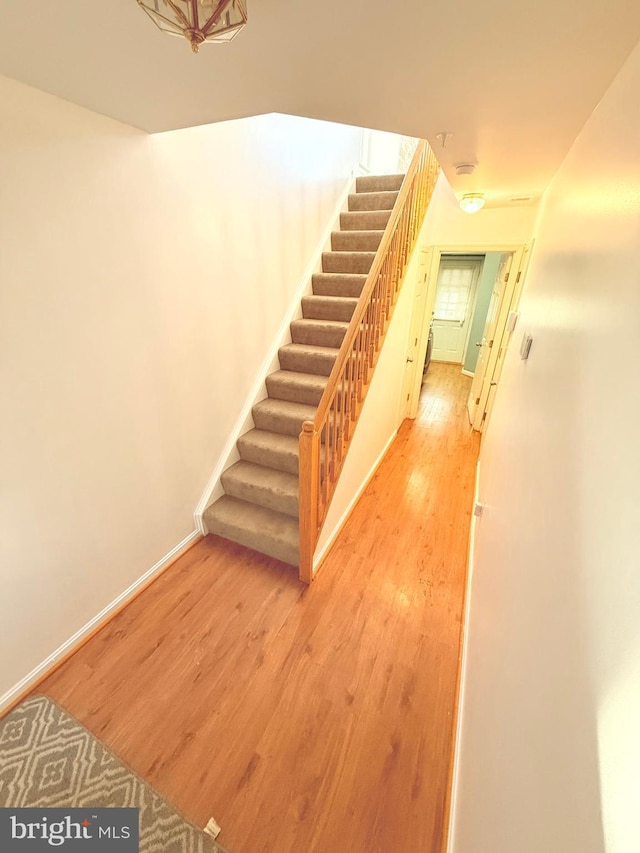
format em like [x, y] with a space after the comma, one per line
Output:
[48, 759]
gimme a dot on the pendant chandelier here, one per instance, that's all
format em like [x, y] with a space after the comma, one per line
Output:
[198, 20]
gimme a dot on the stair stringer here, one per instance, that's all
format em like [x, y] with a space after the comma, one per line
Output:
[381, 416]
[230, 455]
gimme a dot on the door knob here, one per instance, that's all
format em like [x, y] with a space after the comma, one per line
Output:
[410, 359]
[493, 383]
[479, 344]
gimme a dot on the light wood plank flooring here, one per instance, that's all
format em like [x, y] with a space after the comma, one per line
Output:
[311, 720]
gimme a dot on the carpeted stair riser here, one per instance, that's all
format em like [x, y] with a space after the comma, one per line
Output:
[296, 387]
[372, 201]
[356, 241]
[263, 486]
[263, 530]
[339, 308]
[347, 262]
[272, 449]
[378, 183]
[320, 333]
[282, 416]
[364, 220]
[338, 284]
[260, 507]
[307, 359]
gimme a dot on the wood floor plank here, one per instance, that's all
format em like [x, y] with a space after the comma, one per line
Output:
[314, 720]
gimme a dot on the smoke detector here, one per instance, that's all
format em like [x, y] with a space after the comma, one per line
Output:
[465, 169]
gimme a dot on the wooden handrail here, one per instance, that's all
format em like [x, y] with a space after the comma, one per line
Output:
[324, 440]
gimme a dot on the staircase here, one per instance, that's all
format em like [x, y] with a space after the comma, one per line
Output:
[260, 506]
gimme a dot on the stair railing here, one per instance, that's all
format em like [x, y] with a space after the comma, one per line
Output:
[324, 441]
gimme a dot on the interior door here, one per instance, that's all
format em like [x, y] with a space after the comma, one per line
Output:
[413, 364]
[507, 334]
[453, 309]
[512, 282]
[488, 336]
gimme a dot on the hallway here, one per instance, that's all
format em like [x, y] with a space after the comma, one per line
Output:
[311, 720]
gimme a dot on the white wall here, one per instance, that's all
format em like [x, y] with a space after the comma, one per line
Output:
[142, 280]
[550, 749]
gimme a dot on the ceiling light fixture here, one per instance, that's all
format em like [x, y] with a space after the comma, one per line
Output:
[198, 20]
[472, 202]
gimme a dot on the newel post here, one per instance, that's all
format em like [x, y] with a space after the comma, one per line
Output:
[309, 477]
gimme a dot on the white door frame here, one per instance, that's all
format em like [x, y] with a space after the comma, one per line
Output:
[437, 252]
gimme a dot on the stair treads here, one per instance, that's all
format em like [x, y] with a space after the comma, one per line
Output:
[260, 507]
[296, 387]
[350, 262]
[338, 284]
[356, 241]
[372, 201]
[272, 449]
[364, 220]
[378, 183]
[339, 308]
[282, 416]
[257, 484]
[320, 333]
[265, 530]
[307, 359]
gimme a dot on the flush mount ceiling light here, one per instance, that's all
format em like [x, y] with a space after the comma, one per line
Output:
[472, 202]
[198, 20]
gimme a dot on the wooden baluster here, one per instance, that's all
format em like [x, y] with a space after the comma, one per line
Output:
[333, 422]
[341, 420]
[324, 490]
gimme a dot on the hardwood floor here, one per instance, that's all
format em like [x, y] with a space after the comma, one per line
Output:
[314, 720]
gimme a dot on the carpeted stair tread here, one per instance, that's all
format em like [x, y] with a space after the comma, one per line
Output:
[271, 449]
[296, 387]
[321, 333]
[364, 220]
[263, 486]
[339, 308]
[307, 359]
[338, 284]
[356, 241]
[378, 183]
[372, 201]
[265, 530]
[349, 262]
[282, 416]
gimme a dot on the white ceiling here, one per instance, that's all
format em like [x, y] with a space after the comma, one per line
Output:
[514, 81]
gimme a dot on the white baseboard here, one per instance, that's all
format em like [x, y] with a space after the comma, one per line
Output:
[455, 776]
[68, 647]
[258, 391]
[322, 553]
[467, 372]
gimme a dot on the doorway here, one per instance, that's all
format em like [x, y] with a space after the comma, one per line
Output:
[455, 301]
[505, 266]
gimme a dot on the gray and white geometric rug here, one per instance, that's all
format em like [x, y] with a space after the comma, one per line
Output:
[47, 759]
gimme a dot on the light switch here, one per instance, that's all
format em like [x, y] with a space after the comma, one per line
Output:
[512, 319]
[525, 349]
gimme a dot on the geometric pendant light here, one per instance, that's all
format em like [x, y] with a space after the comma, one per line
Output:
[198, 20]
